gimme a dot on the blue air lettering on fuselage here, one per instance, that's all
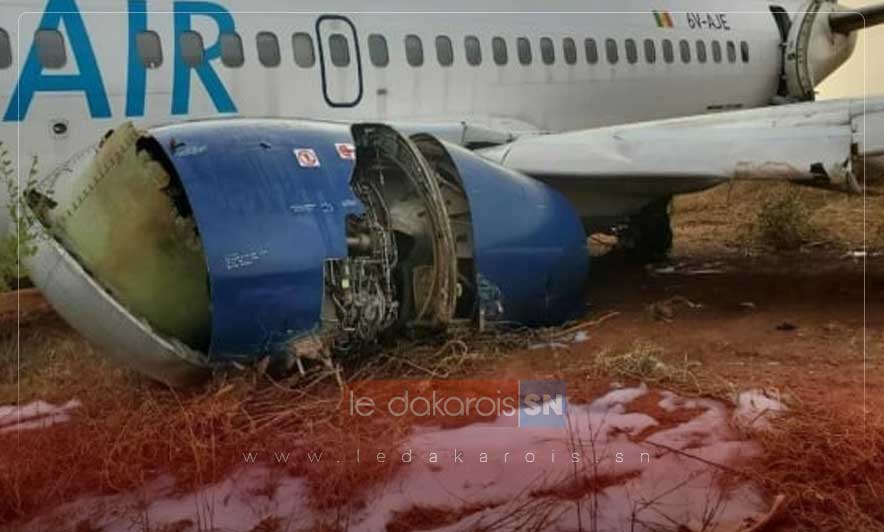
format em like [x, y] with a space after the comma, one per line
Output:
[89, 80]
[184, 11]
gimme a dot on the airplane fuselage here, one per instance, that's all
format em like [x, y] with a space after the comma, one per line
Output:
[100, 63]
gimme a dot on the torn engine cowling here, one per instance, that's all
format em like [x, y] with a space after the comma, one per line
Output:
[205, 244]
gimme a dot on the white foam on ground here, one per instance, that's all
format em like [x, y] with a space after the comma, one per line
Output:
[636, 472]
[580, 337]
[36, 415]
[240, 502]
[672, 402]
[756, 409]
[677, 485]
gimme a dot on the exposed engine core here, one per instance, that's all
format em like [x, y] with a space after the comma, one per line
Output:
[197, 246]
[409, 260]
[359, 287]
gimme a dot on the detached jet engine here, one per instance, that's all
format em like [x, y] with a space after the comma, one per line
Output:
[190, 247]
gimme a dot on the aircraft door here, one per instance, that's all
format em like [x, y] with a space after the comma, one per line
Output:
[339, 61]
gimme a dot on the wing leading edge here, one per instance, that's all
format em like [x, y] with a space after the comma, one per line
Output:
[813, 143]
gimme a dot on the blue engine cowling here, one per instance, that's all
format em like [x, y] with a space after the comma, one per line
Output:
[267, 224]
[328, 235]
[271, 201]
[529, 242]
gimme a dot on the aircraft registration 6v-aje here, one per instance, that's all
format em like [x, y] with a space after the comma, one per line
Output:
[220, 182]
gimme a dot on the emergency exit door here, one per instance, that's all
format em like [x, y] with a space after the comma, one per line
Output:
[339, 60]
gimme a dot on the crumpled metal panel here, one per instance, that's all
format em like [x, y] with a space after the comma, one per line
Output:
[87, 307]
[268, 220]
[530, 249]
[116, 216]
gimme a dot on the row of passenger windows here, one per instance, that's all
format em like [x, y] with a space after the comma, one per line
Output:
[687, 50]
[52, 54]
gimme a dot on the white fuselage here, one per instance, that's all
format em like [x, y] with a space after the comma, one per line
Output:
[52, 113]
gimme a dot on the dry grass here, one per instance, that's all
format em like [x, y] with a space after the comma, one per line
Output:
[130, 431]
[648, 363]
[784, 223]
[731, 217]
[126, 433]
[642, 362]
[421, 518]
[830, 465]
[537, 515]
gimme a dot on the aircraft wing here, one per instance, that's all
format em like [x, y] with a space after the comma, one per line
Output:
[470, 132]
[814, 143]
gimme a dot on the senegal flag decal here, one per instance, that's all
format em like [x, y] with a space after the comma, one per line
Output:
[664, 19]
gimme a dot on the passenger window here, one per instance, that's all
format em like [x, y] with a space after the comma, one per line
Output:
[377, 49]
[650, 51]
[268, 49]
[192, 48]
[473, 49]
[5, 50]
[339, 49]
[668, 51]
[701, 51]
[731, 52]
[231, 50]
[524, 49]
[744, 51]
[592, 51]
[716, 51]
[444, 50]
[50, 48]
[150, 49]
[414, 50]
[631, 51]
[498, 49]
[302, 44]
[570, 50]
[685, 48]
[611, 51]
[547, 51]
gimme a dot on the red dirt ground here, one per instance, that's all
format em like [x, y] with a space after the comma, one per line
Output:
[809, 324]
